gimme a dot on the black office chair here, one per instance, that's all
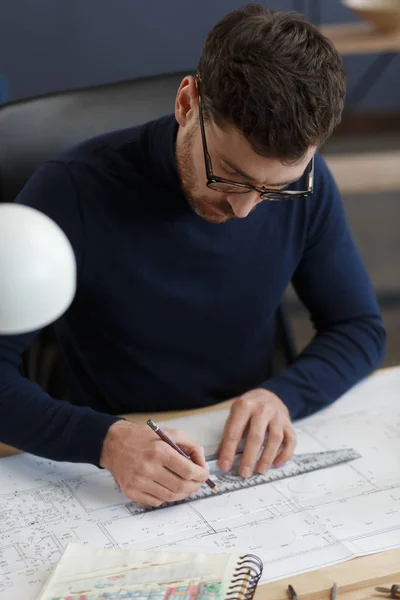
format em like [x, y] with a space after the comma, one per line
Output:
[34, 130]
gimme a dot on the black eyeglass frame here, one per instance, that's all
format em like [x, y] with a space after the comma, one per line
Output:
[244, 188]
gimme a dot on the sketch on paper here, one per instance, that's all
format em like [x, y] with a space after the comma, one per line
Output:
[88, 573]
[210, 591]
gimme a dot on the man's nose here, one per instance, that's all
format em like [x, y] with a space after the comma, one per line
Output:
[243, 204]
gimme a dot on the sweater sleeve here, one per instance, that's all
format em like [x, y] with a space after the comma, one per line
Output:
[332, 282]
[29, 418]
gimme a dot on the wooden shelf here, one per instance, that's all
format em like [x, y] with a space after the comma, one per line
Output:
[361, 38]
[365, 173]
[372, 172]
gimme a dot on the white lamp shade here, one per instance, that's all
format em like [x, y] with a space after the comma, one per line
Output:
[37, 270]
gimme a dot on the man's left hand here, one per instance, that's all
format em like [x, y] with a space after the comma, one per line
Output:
[256, 413]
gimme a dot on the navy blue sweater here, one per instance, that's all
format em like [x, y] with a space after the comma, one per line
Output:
[173, 312]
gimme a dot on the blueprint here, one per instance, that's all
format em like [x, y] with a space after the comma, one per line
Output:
[293, 525]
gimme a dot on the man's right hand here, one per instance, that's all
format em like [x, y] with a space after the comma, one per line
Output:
[147, 469]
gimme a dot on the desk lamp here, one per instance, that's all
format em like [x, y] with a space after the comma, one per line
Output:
[37, 270]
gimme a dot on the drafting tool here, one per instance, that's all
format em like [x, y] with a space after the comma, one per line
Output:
[393, 592]
[292, 593]
[334, 592]
[231, 482]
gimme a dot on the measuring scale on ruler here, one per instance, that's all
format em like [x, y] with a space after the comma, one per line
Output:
[231, 482]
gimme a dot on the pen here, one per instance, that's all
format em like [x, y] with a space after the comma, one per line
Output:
[168, 440]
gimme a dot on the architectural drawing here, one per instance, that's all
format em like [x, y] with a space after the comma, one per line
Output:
[294, 524]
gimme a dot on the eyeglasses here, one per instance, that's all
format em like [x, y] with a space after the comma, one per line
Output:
[234, 187]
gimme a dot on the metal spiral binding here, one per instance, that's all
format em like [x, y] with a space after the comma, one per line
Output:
[246, 577]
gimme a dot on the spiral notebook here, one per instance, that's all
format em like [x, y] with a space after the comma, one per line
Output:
[85, 573]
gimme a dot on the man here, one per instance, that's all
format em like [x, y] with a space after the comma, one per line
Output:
[187, 230]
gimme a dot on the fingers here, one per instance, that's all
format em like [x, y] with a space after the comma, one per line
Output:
[166, 487]
[144, 499]
[186, 469]
[279, 448]
[178, 487]
[288, 448]
[191, 448]
[233, 433]
[254, 443]
[197, 455]
[274, 442]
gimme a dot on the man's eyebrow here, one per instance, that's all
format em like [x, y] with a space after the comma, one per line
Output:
[251, 178]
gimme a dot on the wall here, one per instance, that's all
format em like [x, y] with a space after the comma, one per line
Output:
[48, 45]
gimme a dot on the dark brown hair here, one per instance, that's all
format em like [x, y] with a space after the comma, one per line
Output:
[275, 77]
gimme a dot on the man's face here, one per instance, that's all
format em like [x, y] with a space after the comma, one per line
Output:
[232, 158]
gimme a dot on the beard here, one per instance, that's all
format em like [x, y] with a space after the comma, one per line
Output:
[216, 210]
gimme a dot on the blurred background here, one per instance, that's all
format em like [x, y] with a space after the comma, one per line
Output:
[48, 46]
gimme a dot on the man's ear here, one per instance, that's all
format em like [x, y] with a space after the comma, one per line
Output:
[186, 102]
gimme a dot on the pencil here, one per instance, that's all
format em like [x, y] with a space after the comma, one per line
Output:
[168, 440]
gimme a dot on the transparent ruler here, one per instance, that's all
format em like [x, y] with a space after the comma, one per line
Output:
[231, 482]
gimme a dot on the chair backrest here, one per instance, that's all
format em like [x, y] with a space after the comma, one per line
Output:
[36, 129]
